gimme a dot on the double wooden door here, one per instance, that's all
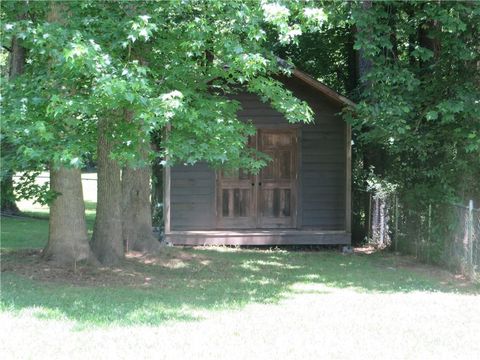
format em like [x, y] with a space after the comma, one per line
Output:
[266, 200]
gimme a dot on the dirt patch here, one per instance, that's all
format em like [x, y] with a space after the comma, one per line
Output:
[366, 250]
[392, 261]
[137, 269]
[169, 258]
[444, 276]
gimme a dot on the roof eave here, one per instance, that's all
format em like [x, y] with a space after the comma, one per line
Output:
[324, 89]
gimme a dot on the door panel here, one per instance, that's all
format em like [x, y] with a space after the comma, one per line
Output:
[276, 203]
[236, 198]
[276, 186]
[267, 200]
[236, 202]
[285, 160]
[268, 172]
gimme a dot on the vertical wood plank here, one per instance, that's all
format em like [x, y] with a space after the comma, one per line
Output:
[282, 203]
[276, 202]
[224, 203]
[298, 190]
[166, 189]
[237, 202]
[230, 203]
[348, 184]
[256, 201]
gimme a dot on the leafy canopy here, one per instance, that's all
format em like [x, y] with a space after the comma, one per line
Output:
[420, 99]
[145, 65]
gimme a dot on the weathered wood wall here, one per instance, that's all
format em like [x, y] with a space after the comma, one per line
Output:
[323, 163]
[192, 197]
[322, 166]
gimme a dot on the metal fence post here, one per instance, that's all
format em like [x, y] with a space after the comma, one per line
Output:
[370, 214]
[396, 223]
[470, 237]
[429, 234]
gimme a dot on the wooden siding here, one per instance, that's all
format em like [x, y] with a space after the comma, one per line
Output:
[322, 174]
[322, 168]
[192, 197]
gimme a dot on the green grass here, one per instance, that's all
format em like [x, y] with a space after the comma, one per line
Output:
[30, 230]
[231, 280]
[210, 279]
[231, 303]
[23, 233]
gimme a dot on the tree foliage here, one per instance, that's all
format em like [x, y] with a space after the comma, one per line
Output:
[167, 62]
[420, 104]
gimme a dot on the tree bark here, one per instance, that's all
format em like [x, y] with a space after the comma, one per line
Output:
[16, 65]
[353, 78]
[136, 210]
[157, 192]
[17, 59]
[427, 41]
[363, 64]
[67, 237]
[107, 240]
[157, 182]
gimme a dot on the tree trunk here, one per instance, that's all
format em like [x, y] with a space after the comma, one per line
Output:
[136, 210]
[107, 241]
[17, 59]
[352, 81]
[363, 64]
[67, 237]
[16, 65]
[157, 182]
[157, 194]
[427, 41]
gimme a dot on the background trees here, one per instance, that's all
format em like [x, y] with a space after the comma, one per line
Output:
[420, 111]
[417, 123]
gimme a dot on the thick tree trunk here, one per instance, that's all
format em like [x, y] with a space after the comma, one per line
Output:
[157, 182]
[67, 238]
[157, 194]
[136, 210]
[427, 41]
[17, 63]
[17, 59]
[107, 241]
[363, 64]
[352, 82]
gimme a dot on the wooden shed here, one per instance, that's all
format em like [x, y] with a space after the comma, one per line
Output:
[303, 197]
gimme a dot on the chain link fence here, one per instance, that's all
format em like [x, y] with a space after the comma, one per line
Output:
[465, 248]
[447, 234]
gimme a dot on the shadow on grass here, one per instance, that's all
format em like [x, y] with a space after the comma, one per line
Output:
[182, 284]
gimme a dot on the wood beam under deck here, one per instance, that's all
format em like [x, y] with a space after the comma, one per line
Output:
[258, 237]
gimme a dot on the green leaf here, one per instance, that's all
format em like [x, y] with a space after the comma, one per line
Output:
[432, 115]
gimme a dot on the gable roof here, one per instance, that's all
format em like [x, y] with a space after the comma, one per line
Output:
[316, 85]
[322, 88]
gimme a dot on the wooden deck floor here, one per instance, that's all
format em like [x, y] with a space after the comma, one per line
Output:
[259, 237]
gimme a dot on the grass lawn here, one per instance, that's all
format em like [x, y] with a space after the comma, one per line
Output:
[225, 303]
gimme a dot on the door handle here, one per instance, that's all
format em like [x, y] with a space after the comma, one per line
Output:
[260, 183]
[253, 184]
